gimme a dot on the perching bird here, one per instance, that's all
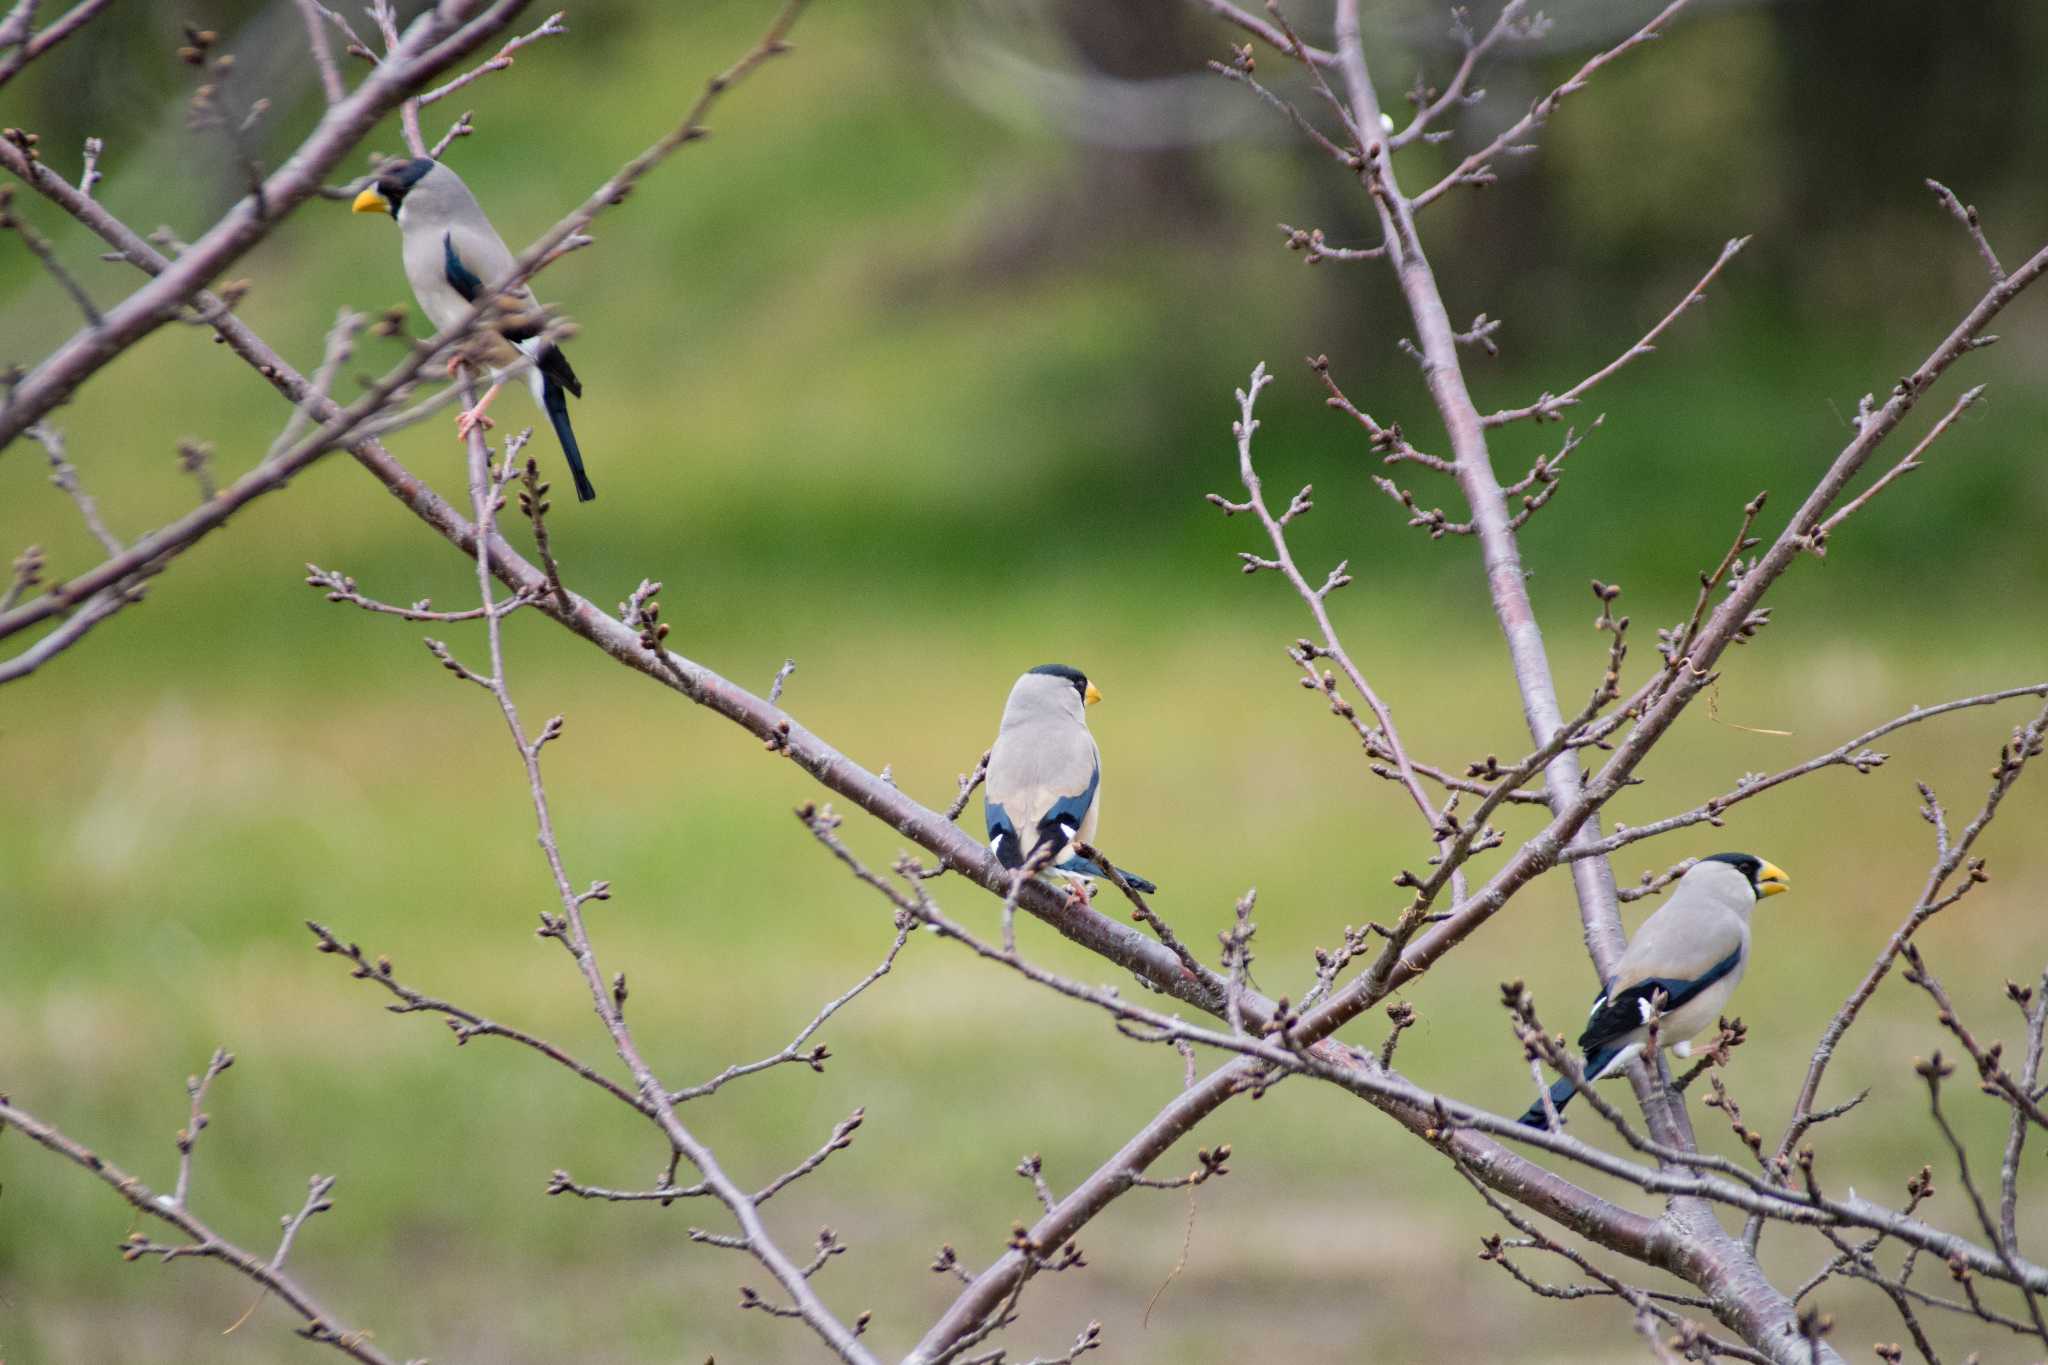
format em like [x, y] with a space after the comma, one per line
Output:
[451, 253]
[1043, 791]
[1693, 949]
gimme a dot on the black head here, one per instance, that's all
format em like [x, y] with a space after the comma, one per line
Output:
[1072, 675]
[393, 182]
[1765, 878]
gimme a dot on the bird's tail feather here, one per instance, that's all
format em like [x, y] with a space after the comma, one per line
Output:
[1090, 869]
[1561, 1092]
[1596, 1064]
[556, 401]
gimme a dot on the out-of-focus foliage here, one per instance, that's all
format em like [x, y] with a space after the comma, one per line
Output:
[925, 389]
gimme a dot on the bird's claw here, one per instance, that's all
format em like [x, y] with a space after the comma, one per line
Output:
[473, 420]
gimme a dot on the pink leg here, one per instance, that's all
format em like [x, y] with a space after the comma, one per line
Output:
[474, 418]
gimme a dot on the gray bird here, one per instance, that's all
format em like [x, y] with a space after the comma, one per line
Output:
[451, 253]
[1043, 791]
[1692, 950]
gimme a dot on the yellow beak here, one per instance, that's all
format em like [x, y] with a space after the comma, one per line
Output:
[1770, 880]
[369, 201]
[1090, 696]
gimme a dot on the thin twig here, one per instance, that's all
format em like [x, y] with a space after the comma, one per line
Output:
[42, 251]
[1966, 214]
[28, 47]
[1476, 169]
[315, 16]
[64, 474]
[551, 27]
[1911, 462]
[1548, 406]
[816, 1057]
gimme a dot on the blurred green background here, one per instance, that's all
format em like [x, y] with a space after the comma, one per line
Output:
[917, 372]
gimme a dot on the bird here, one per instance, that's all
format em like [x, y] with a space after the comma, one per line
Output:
[451, 253]
[1043, 791]
[1692, 951]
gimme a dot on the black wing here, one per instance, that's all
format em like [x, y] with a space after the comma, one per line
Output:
[550, 362]
[1621, 1014]
[460, 277]
[1067, 815]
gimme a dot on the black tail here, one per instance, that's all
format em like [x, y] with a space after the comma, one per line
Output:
[556, 402]
[1090, 869]
[1139, 883]
[1561, 1092]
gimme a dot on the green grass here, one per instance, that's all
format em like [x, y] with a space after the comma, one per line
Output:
[835, 437]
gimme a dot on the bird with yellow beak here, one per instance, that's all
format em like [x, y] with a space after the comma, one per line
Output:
[1043, 791]
[1691, 952]
[451, 253]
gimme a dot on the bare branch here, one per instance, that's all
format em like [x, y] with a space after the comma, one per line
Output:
[1315, 250]
[201, 1240]
[1259, 28]
[64, 474]
[1993, 1077]
[1548, 406]
[342, 426]
[551, 27]
[340, 346]
[461, 1022]
[88, 614]
[461, 128]
[341, 588]
[188, 1136]
[440, 37]
[2033, 1004]
[816, 1057]
[1952, 853]
[841, 1139]
[1316, 598]
[40, 248]
[316, 15]
[1933, 1070]
[1911, 462]
[1855, 753]
[25, 573]
[1477, 169]
[1509, 23]
[89, 175]
[28, 47]
[1966, 214]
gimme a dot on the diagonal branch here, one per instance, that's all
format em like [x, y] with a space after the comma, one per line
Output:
[28, 47]
[1905, 466]
[1951, 856]
[153, 550]
[436, 40]
[1855, 753]
[320, 1324]
[486, 489]
[1548, 406]
[1476, 169]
